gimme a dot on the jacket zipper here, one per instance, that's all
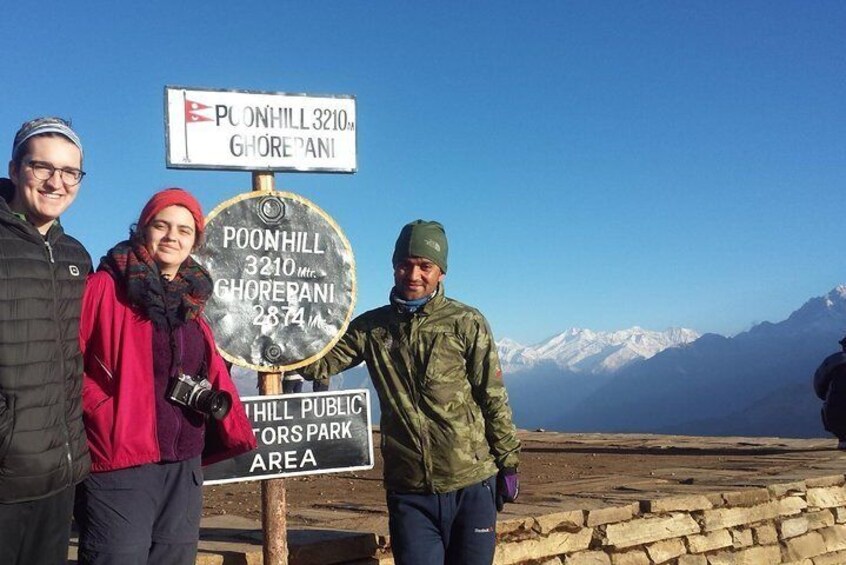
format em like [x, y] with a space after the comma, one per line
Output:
[68, 454]
[50, 254]
[422, 422]
[176, 409]
[178, 412]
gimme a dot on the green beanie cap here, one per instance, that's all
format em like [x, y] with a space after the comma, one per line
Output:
[421, 238]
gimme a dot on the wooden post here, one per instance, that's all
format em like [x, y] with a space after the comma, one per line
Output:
[274, 508]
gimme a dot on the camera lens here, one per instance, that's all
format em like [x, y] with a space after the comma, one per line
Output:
[220, 405]
[214, 403]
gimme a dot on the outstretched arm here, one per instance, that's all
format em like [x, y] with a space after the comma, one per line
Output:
[347, 353]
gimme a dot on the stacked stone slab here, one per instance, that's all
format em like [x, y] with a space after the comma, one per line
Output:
[801, 522]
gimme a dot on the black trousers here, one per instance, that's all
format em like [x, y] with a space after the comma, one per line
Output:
[834, 409]
[453, 528]
[145, 515]
[36, 532]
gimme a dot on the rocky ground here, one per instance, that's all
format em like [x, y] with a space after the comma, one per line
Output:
[552, 465]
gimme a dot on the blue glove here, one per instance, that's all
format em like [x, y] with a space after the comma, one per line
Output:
[507, 487]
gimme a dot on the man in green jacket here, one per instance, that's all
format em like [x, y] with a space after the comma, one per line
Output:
[448, 442]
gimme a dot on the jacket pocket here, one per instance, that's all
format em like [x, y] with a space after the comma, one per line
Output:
[93, 397]
[98, 385]
[445, 377]
[7, 423]
[98, 411]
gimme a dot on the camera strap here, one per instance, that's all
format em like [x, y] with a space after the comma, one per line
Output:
[177, 347]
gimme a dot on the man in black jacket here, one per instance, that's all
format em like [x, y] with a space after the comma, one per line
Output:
[43, 449]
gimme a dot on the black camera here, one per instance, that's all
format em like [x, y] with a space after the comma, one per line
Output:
[196, 393]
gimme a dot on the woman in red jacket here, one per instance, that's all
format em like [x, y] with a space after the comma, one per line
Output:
[157, 397]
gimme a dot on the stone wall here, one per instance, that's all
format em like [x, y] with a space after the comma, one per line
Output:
[796, 522]
[604, 499]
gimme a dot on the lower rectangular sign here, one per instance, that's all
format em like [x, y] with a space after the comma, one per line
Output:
[302, 434]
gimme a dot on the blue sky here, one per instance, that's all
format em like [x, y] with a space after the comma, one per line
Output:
[596, 164]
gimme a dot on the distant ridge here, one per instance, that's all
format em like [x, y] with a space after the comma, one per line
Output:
[755, 383]
[586, 351]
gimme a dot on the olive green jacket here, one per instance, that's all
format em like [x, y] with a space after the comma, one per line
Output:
[446, 423]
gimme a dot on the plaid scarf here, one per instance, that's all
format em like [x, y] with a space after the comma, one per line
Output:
[168, 304]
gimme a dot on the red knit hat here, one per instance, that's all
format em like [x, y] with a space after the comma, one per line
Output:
[173, 197]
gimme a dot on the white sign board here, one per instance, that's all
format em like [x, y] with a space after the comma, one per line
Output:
[259, 131]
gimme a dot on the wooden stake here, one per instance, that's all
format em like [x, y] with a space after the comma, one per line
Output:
[274, 508]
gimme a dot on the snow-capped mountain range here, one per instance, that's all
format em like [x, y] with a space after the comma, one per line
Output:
[586, 351]
[758, 382]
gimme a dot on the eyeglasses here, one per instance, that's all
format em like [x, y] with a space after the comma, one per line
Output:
[45, 171]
